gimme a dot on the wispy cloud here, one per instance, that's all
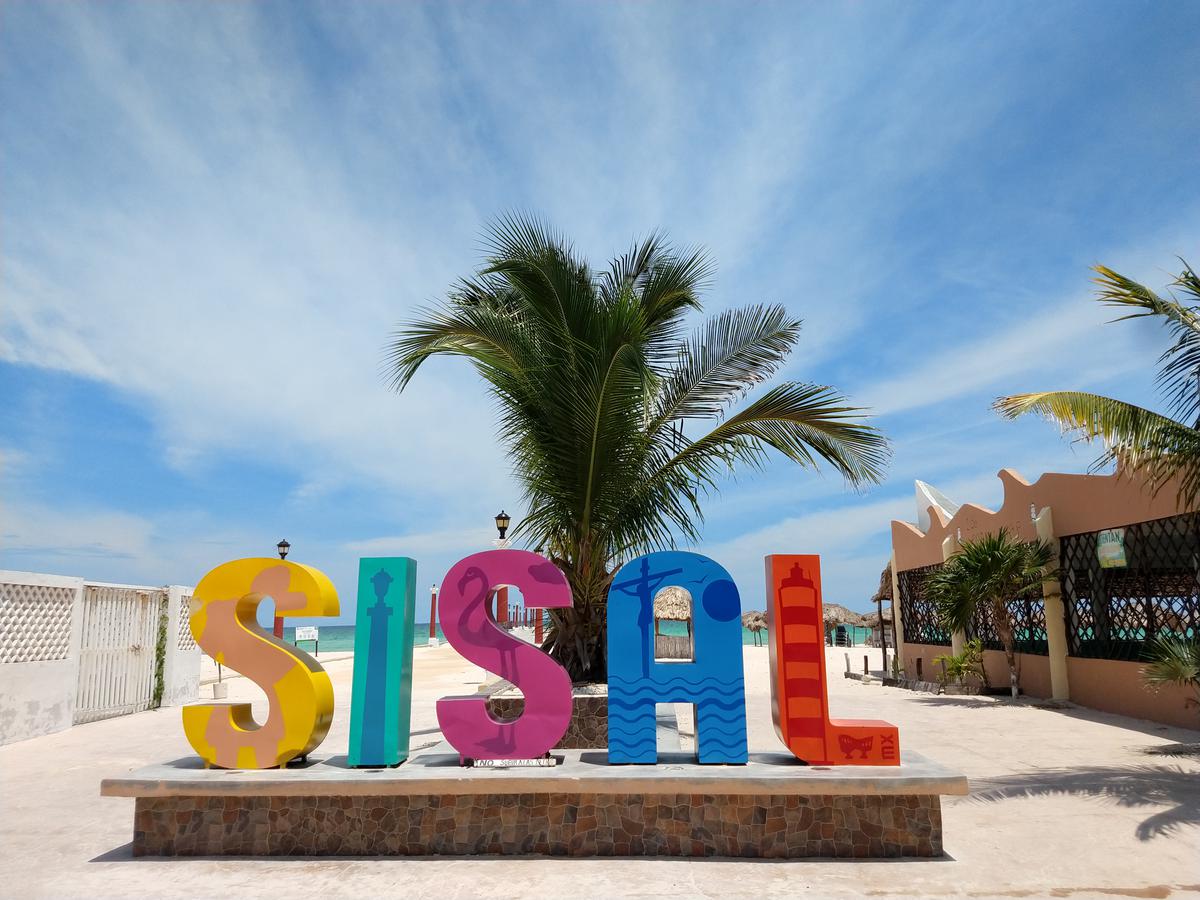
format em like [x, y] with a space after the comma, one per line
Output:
[1047, 343]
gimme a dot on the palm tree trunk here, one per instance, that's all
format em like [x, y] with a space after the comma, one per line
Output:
[578, 637]
[1004, 629]
[578, 642]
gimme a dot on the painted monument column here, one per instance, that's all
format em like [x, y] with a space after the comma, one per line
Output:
[224, 622]
[469, 623]
[799, 690]
[713, 682]
[381, 702]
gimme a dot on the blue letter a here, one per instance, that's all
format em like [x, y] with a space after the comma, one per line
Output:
[713, 682]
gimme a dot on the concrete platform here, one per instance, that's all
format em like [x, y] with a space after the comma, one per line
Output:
[773, 807]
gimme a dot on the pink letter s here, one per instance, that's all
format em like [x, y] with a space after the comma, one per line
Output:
[470, 627]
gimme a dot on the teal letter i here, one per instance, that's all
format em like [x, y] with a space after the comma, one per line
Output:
[381, 701]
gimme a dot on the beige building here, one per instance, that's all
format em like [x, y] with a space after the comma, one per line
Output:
[1129, 568]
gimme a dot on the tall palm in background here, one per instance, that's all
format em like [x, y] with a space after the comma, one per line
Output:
[617, 423]
[1159, 447]
[990, 571]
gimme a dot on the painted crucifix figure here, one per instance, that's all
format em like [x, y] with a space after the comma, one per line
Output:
[644, 588]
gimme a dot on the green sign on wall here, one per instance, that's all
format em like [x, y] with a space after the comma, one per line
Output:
[1110, 548]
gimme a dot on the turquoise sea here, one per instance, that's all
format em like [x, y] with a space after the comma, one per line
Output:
[340, 638]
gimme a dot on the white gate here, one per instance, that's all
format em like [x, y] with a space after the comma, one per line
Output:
[118, 650]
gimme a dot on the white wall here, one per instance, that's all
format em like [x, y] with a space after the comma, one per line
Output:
[40, 624]
[181, 667]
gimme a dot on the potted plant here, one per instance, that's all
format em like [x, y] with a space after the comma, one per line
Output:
[964, 673]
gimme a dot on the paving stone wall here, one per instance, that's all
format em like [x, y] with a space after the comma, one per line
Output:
[545, 824]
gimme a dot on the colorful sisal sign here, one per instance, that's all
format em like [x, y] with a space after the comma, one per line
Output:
[300, 696]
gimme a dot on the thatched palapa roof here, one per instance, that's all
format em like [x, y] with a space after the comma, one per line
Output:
[755, 620]
[872, 619]
[673, 603]
[885, 585]
[836, 614]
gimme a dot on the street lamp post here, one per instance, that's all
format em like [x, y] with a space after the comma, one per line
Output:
[283, 547]
[538, 614]
[433, 591]
[502, 522]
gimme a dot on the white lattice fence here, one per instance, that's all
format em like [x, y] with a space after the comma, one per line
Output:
[35, 622]
[184, 642]
[117, 658]
[73, 651]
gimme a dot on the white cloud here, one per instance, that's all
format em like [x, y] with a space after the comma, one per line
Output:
[442, 543]
[1071, 343]
[74, 537]
[243, 290]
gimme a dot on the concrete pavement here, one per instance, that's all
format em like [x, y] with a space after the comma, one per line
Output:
[1064, 803]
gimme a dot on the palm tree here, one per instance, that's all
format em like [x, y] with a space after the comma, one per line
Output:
[617, 423]
[1172, 659]
[1159, 447]
[992, 571]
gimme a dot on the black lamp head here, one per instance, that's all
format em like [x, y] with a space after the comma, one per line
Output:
[502, 521]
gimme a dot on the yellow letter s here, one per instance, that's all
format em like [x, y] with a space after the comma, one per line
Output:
[225, 624]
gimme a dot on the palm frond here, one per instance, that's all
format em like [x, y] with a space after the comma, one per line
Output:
[731, 353]
[992, 570]
[1179, 373]
[1136, 439]
[1172, 660]
[804, 422]
[496, 343]
[627, 271]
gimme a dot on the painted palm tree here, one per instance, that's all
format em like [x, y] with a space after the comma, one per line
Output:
[1160, 447]
[990, 572]
[617, 422]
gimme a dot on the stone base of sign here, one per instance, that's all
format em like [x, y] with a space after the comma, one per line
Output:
[774, 807]
[589, 714]
[724, 825]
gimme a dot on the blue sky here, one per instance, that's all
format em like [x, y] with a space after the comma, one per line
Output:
[212, 215]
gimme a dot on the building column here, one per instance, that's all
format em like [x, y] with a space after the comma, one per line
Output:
[502, 605]
[1056, 619]
[433, 592]
[950, 546]
[897, 618]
